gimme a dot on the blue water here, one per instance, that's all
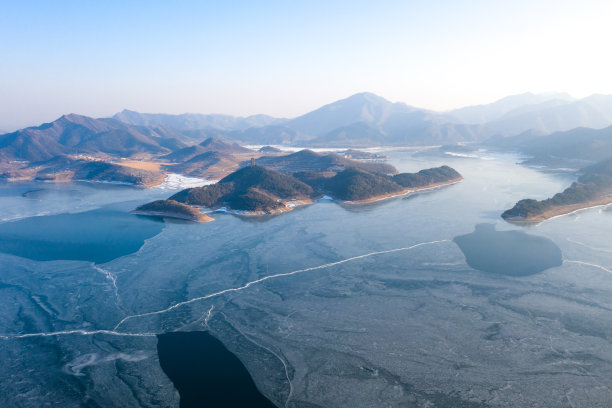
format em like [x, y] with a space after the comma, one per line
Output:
[98, 236]
[513, 253]
[206, 373]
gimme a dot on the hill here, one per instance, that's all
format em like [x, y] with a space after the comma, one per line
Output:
[357, 185]
[593, 187]
[62, 169]
[213, 158]
[253, 189]
[209, 145]
[172, 209]
[257, 190]
[354, 184]
[307, 160]
[427, 178]
[76, 134]
[269, 150]
[66, 169]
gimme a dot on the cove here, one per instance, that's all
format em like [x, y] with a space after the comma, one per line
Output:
[97, 236]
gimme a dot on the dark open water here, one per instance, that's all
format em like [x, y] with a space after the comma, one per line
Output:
[206, 374]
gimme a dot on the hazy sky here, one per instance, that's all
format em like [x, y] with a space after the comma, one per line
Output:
[287, 57]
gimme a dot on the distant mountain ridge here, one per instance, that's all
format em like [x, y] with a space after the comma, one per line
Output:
[544, 113]
[576, 147]
[209, 145]
[366, 119]
[507, 106]
[361, 120]
[77, 134]
[307, 160]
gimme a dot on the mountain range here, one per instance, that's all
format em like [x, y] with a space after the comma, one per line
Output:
[366, 119]
[540, 113]
[361, 120]
[573, 148]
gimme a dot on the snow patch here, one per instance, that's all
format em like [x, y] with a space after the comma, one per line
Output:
[178, 182]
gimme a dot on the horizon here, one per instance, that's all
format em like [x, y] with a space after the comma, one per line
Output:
[284, 60]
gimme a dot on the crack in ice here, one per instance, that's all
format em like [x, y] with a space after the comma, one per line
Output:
[115, 332]
[111, 277]
[278, 275]
[208, 315]
[603, 268]
[282, 360]
[588, 246]
[77, 331]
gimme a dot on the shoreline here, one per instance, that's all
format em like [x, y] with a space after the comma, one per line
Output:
[288, 206]
[402, 192]
[202, 218]
[561, 211]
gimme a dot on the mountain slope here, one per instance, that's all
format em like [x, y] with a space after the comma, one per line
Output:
[363, 107]
[593, 113]
[366, 119]
[254, 189]
[567, 149]
[208, 145]
[508, 106]
[307, 160]
[593, 187]
[76, 134]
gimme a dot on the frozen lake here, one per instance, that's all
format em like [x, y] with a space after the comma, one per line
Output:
[327, 305]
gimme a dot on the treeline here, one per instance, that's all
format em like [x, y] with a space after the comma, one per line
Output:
[259, 189]
[357, 184]
[596, 181]
[426, 177]
[170, 206]
[253, 188]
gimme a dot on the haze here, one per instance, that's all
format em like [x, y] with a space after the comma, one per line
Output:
[242, 58]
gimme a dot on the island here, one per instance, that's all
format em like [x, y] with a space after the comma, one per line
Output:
[258, 190]
[593, 188]
[172, 209]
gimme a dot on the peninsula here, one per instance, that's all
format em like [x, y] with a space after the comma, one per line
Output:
[593, 188]
[172, 209]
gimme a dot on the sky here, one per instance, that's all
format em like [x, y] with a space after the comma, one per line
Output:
[285, 58]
